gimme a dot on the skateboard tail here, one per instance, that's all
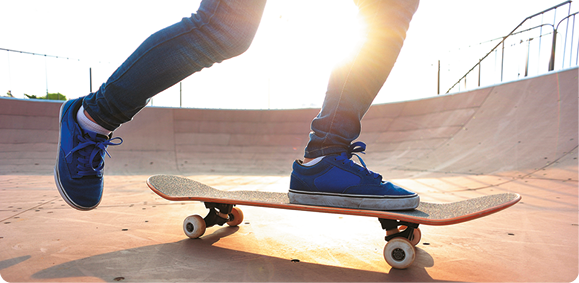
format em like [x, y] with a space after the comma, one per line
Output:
[479, 214]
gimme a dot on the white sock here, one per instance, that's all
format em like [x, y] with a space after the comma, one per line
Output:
[86, 124]
[314, 162]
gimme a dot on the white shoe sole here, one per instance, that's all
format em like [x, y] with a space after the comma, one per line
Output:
[354, 201]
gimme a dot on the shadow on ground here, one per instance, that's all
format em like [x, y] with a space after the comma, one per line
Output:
[195, 260]
[13, 261]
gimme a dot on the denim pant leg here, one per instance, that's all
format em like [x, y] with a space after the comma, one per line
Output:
[220, 29]
[354, 85]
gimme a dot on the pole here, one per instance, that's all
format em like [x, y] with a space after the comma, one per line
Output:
[438, 84]
[503, 58]
[527, 61]
[46, 74]
[479, 70]
[553, 47]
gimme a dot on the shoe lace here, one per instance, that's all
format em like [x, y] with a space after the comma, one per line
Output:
[346, 158]
[90, 150]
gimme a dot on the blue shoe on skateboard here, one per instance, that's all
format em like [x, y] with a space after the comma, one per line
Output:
[80, 161]
[338, 181]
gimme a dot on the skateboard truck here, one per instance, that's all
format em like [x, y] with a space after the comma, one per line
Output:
[393, 225]
[218, 214]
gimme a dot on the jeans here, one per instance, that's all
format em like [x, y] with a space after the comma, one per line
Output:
[223, 29]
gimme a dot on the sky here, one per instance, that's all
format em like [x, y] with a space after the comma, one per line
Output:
[287, 66]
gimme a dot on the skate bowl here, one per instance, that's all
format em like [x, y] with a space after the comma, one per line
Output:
[511, 129]
[518, 137]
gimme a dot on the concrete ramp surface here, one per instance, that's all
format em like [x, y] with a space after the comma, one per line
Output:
[513, 129]
[515, 137]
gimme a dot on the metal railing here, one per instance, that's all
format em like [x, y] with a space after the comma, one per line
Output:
[517, 51]
[565, 45]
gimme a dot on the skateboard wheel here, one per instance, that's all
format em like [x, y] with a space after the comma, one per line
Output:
[399, 253]
[235, 217]
[416, 235]
[194, 226]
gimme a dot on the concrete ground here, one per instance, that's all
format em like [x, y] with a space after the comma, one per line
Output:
[519, 137]
[137, 236]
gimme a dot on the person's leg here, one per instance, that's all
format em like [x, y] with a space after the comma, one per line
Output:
[332, 178]
[220, 29]
[354, 85]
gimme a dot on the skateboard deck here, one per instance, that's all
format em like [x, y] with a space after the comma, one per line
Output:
[183, 189]
[404, 223]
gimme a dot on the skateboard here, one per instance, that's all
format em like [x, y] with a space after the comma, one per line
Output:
[402, 232]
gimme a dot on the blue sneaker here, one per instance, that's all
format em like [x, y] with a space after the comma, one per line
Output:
[80, 161]
[338, 181]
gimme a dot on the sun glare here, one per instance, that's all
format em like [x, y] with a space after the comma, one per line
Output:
[330, 30]
[294, 52]
[290, 60]
[350, 35]
[341, 34]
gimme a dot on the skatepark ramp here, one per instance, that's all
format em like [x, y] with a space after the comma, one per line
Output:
[511, 130]
[514, 138]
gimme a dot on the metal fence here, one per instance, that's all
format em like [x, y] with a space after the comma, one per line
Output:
[543, 42]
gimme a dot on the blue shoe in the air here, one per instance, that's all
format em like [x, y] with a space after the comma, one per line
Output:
[80, 161]
[338, 181]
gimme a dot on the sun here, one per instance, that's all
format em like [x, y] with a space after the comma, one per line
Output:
[350, 38]
[300, 47]
[329, 30]
[342, 32]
